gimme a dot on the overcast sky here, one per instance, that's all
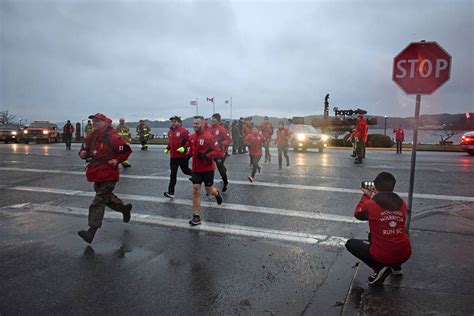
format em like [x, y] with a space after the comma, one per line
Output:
[67, 59]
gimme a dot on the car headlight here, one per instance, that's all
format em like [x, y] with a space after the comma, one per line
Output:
[25, 132]
[13, 132]
[300, 136]
[324, 138]
[45, 132]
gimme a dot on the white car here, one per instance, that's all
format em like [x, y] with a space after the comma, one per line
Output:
[306, 136]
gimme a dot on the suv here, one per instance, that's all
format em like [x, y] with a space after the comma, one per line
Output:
[306, 136]
[467, 143]
[10, 132]
[41, 131]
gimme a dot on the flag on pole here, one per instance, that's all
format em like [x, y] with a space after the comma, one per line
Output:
[194, 102]
[210, 99]
[227, 101]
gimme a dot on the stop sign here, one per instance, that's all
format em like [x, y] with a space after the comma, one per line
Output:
[421, 68]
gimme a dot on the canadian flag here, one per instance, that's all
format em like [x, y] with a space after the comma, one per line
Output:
[210, 99]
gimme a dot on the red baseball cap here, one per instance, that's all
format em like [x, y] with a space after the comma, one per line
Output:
[100, 117]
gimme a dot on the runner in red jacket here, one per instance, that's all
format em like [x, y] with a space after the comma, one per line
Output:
[222, 138]
[254, 142]
[267, 130]
[177, 141]
[282, 137]
[388, 245]
[203, 149]
[103, 149]
[361, 136]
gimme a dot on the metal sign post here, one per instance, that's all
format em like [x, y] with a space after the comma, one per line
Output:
[420, 68]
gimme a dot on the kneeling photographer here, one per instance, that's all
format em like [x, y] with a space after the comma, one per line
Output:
[388, 245]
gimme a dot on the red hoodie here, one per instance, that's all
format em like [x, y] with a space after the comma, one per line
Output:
[177, 138]
[220, 135]
[362, 128]
[386, 213]
[283, 135]
[266, 128]
[255, 141]
[102, 146]
[203, 150]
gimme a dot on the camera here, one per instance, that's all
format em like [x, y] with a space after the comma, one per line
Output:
[369, 185]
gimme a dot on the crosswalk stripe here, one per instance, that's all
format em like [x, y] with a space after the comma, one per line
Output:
[229, 206]
[260, 184]
[237, 230]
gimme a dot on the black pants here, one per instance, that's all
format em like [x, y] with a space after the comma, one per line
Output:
[283, 149]
[222, 169]
[266, 145]
[254, 161]
[144, 141]
[360, 249]
[399, 146]
[174, 164]
[68, 139]
[235, 145]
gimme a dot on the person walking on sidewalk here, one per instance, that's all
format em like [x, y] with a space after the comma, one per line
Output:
[267, 130]
[388, 245]
[103, 149]
[68, 131]
[399, 138]
[282, 137]
[222, 139]
[254, 141]
[124, 132]
[203, 150]
[177, 141]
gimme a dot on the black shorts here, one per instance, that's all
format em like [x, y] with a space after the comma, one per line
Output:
[200, 177]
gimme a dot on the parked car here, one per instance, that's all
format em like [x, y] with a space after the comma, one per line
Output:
[41, 131]
[11, 133]
[306, 136]
[467, 143]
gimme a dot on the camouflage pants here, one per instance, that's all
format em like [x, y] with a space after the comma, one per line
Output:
[104, 196]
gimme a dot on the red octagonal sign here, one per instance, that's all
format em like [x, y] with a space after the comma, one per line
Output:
[421, 68]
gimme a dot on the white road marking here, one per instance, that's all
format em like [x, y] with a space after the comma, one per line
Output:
[228, 206]
[246, 231]
[262, 184]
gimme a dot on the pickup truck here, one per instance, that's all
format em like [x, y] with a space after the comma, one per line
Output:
[41, 131]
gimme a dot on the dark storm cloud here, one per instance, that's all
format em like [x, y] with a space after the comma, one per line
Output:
[66, 59]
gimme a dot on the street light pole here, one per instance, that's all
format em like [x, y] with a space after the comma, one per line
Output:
[385, 129]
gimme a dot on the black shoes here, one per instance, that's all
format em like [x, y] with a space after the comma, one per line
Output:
[219, 198]
[379, 277]
[195, 221]
[126, 212]
[224, 188]
[87, 235]
[169, 195]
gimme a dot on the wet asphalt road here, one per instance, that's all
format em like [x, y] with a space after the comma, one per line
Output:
[274, 247]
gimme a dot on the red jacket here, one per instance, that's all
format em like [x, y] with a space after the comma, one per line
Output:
[102, 146]
[399, 134]
[282, 137]
[255, 143]
[203, 149]
[68, 129]
[386, 213]
[362, 130]
[177, 138]
[267, 129]
[220, 135]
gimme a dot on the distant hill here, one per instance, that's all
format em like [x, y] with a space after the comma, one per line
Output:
[428, 121]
